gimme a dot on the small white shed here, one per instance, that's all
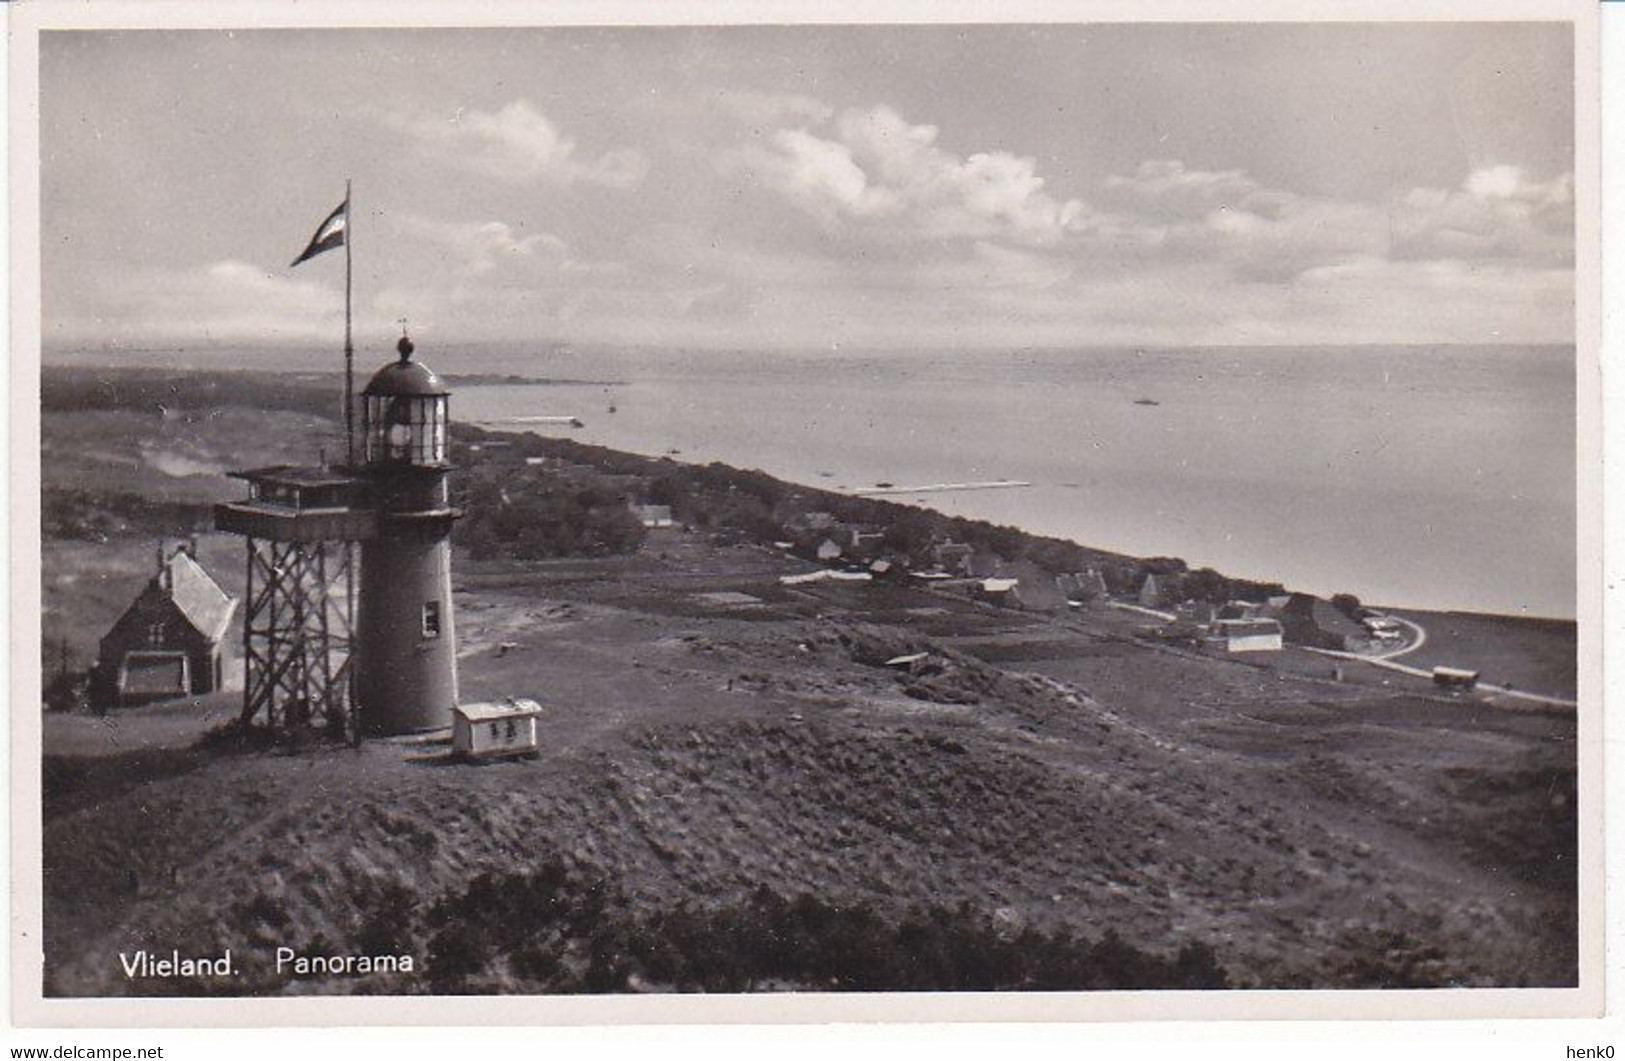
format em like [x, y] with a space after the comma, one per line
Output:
[483, 731]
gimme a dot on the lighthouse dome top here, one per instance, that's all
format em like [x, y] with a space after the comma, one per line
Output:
[405, 377]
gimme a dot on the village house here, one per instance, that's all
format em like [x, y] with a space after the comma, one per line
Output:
[1308, 620]
[1000, 591]
[805, 522]
[952, 557]
[1197, 612]
[985, 565]
[1248, 635]
[167, 643]
[829, 551]
[1240, 609]
[1082, 587]
[864, 540]
[653, 516]
[1037, 590]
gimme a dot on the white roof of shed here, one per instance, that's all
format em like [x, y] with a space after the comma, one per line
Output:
[511, 708]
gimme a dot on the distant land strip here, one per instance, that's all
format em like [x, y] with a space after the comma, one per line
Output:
[937, 488]
[479, 379]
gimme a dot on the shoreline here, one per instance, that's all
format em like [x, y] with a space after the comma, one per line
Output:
[181, 389]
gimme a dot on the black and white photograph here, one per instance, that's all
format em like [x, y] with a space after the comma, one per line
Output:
[828, 508]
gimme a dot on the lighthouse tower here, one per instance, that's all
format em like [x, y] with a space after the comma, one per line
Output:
[405, 639]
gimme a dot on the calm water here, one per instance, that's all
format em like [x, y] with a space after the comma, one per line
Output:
[1410, 476]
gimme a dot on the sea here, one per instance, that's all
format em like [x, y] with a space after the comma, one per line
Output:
[1432, 477]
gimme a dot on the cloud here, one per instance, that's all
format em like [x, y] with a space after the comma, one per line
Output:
[1166, 188]
[1376, 299]
[518, 144]
[819, 175]
[225, 300]
[879, 170]
[773, 108]
[479, 246]
[1498, 212]
[1168, 211]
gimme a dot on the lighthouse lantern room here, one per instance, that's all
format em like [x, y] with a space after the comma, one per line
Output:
[404, 414]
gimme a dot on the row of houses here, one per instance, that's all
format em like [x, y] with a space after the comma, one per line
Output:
[1234, 626]
[1292, 618]
[958, 567]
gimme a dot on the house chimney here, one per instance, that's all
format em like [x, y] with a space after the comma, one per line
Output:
[191, 546]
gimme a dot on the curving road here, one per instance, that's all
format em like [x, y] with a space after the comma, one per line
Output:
[1385, 660]
[1419, 638]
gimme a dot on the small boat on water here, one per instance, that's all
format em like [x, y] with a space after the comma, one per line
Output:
[1146, 401]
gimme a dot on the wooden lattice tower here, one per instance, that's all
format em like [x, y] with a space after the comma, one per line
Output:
[298, 633]
[302, 526]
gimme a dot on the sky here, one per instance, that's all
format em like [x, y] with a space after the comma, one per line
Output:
[906, 188]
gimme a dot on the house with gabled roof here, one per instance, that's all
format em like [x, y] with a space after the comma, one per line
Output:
[168, 643]
[952, 557]
[1308, 620]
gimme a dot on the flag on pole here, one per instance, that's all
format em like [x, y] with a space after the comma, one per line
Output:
[329, 234]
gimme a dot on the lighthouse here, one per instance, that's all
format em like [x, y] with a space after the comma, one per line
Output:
[368, 656]
[405, 636]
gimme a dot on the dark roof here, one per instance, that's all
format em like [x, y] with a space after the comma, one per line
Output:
[1330, 618]
[296, 475]
[405, 378]
[1248, 627]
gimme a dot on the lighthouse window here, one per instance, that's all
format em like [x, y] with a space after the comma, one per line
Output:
[431, 618]
[437, 431]
[398, 435]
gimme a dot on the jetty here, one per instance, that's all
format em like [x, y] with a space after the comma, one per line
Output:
[937, 488]
[558, 421]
